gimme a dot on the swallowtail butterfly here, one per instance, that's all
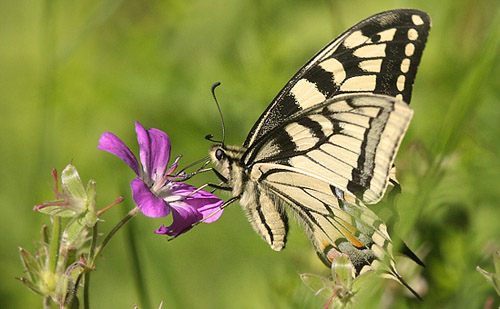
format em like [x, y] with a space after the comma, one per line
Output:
[325, 146]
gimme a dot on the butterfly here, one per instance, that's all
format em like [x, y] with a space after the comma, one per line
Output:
[324, 148]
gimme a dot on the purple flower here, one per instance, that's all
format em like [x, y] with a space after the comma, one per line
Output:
[156, 190]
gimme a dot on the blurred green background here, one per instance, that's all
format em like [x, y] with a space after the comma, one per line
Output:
[71, 70]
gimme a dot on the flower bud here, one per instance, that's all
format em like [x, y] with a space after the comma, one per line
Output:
[342, 270]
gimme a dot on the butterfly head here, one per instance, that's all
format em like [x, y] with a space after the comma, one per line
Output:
[218, 154]
[226, 159]
[223, 156]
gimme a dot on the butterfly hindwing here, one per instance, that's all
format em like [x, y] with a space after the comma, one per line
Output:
[328, 219]
[378, 55]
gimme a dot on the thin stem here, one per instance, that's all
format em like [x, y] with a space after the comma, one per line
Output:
[53, 256]
[117, 201]
[95, 253]
[86, 283]
[54, 244]
[46, 302]
[127, 218]
[136, 266]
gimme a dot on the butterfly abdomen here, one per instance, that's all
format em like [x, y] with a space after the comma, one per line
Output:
[265, 214]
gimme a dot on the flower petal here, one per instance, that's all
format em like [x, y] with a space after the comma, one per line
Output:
[112, 144]
[207, 204]
[161, 230]
[154, 151]
[197, 206]
[160, 152]
[144, 148]
[149, 204]
[183, 219]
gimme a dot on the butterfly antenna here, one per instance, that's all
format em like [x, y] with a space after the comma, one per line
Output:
[215, 85]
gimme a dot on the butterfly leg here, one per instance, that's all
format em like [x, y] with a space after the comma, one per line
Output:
[220, 176]
[219, 187]
[226, 203]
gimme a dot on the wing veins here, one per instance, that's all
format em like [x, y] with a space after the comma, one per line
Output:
[331, 218]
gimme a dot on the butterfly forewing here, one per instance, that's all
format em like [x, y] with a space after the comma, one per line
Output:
[378, 55]
[349, 142]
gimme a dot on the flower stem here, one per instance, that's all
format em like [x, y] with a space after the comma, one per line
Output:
[136, 266]
[127, 218]
[95, 253]
[46, 302]
[54, 244]
[86, 283]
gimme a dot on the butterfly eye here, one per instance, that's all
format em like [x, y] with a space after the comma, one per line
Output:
[219, 154]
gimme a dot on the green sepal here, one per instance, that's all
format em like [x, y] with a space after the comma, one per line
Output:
[91, 215]
[60, 211]
[496, 283]
[30, 285]
[72, 184]
[496, 262]
[32, 269]
[76, 229]
[73, 232]
[31, 265]
[492, 279]
[45, 234]
[318, 284]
